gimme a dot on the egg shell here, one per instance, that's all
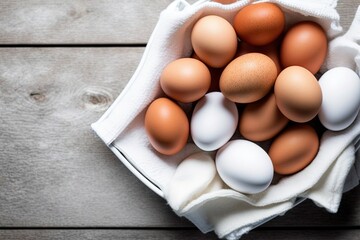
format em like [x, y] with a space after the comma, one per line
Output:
[213, 121]
[214, 40]
[271, 50]
[167, 126]
[244, 166]
[261, 120]
[294, 149]
[185, 79]
[260, 23]
[341, 98]
[248, 78]
[298, 94]
[304, 44]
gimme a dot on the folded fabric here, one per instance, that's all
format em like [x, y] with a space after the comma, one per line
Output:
[203, 198]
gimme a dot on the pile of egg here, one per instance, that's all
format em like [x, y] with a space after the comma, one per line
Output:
[255, 80]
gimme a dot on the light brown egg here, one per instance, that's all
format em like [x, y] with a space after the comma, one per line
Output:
[185, 79]
[271, 50]
[304, 44]
[298, 94]
[167, 126]
[294, 149]
[260, 23]
[214, 41]
[262, 119]
[248, 78]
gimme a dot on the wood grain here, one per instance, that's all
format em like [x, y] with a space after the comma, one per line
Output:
[94, 22]
[81, 21]
[54, 170]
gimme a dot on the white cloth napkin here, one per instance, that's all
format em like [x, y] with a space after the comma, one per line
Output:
[209, 204]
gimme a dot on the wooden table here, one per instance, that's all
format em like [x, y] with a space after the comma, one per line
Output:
[62, 63]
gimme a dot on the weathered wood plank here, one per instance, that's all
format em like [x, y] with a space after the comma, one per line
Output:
[56, 172]
[68, 21]
[140, 234]
[88, 22]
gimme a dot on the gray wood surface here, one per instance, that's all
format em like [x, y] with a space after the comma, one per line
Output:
[81, 21]
[55, 174]
[54, 170]
[93, 22]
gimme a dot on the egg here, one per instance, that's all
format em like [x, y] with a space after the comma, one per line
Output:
[271, 50]
[341, 98]
[260, 23]
[304, 44]
[185, 79]
[262, 119]
[294, 149]
[213, 121]
[248, 78]
[298, 94]
[214, 40]
[244, 166]
[167, 126]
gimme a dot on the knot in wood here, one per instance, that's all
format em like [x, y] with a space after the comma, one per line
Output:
[38, 96]
[96, 98]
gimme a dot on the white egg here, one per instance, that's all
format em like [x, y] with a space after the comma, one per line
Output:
[340, 88]
[244, 166]
[213, 121]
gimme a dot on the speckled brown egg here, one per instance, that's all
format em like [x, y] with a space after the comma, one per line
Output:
[262, 119]
[185, 79]
[271, 50]
[304, 44]
[259, 23]
[214, 40]
[294, 149]
[298, 94]
[248, 78]
[167, 126]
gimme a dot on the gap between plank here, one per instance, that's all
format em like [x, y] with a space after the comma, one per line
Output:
[291, 228]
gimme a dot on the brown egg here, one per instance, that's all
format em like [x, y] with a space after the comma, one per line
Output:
[214, 41]
[185, 79]
[305, 44]
[248, 78]
[298, 94]
[167, 126]
[270, 50]
[259, 23]
[294, 149]
[262, 119]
